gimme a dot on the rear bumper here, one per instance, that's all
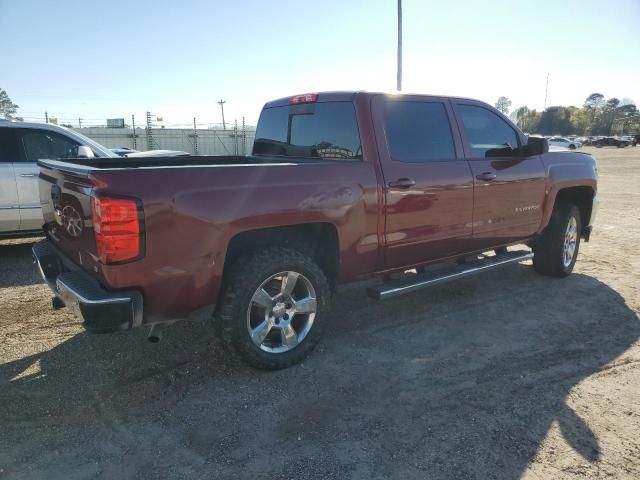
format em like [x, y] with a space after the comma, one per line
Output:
[101, 310]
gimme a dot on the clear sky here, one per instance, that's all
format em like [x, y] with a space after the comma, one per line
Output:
[108, 59]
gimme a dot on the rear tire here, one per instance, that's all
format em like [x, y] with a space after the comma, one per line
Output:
[272, 312]
[556, 251]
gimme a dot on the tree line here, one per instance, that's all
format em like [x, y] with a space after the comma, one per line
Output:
[597, 116]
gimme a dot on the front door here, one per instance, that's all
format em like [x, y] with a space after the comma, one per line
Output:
[428, 185]
[509, 187]
[9, 204]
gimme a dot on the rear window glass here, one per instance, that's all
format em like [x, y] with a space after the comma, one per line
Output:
[418, 131]
[312, 130]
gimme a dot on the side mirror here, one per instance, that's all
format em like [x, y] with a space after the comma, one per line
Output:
[536, 146]
[85, 152]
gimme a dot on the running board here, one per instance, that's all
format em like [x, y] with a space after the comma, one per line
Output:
[401, 286]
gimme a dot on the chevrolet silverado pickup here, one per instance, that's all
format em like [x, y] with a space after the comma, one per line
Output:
[415, 190]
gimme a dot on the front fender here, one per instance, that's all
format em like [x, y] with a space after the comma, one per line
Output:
[566, 170]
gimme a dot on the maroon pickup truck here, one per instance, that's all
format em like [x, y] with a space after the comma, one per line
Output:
[340, 186]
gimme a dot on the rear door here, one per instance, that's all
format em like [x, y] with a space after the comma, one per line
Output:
[9, 210]
[509, 187]
[37, 144]
[427, 181]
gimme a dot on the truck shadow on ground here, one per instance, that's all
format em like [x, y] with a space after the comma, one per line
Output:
[460, 381]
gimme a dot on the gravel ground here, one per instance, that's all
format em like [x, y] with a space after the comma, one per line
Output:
[506, 375]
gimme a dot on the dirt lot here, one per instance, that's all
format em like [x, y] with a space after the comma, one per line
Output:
[507, 375]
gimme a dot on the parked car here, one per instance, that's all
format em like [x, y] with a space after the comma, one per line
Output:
[158, 153]
[565, 142]
[21, 145]
[123, 151]
[128, 152]
[340, 187]
[610, 142]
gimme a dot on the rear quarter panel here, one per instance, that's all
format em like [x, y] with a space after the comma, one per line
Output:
[191, 215]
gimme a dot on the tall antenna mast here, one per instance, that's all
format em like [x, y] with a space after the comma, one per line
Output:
[546, 91]
[399, 79]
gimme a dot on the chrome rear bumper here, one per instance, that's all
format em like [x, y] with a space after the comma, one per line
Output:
[101, 310]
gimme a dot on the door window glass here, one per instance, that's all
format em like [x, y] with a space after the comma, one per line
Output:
[41, 144]
[488, 134]
[418, 131]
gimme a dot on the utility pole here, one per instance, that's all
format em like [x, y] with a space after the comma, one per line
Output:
[221, 103]
[195, 137]
[79, 122]
[244, 138]
[46, 117]
[546, 91]
[399, 80]
[150, 145]
[235, 135]
[133, 126]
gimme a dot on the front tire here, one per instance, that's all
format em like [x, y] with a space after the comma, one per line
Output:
[556, 251]
[272, 312]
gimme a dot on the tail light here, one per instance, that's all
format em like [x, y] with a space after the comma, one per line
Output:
[118, 228]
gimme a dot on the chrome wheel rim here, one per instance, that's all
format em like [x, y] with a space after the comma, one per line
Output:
[281, 312]
[71, 221]
[570, 241]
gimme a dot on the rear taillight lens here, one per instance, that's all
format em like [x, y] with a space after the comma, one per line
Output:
[117, 224]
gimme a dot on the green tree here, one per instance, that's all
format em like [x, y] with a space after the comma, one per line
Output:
[8, 109]
[595, 101]
[503, 105]
[527, 119]
[605, 117]
[555, 120]
[581, 120]
[627, 110]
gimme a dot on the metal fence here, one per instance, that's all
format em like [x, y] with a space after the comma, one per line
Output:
[201, 141]
[232, 138]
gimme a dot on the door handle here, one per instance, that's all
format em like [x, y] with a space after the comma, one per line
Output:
[27, 174]
[486, 176]
[402, 183]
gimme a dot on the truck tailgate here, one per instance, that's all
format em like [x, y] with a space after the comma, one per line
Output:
[65, 196]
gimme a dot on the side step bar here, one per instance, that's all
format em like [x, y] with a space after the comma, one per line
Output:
[428, 279]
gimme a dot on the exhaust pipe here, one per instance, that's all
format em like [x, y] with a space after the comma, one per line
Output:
[155, 333]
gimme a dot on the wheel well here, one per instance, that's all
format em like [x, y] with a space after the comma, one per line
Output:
[316, 240]
[581, 197]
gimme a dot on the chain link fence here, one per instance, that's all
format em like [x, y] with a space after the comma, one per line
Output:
[232, 138]
[198, 141]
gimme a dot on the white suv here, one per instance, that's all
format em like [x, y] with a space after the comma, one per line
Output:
[21, 146]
